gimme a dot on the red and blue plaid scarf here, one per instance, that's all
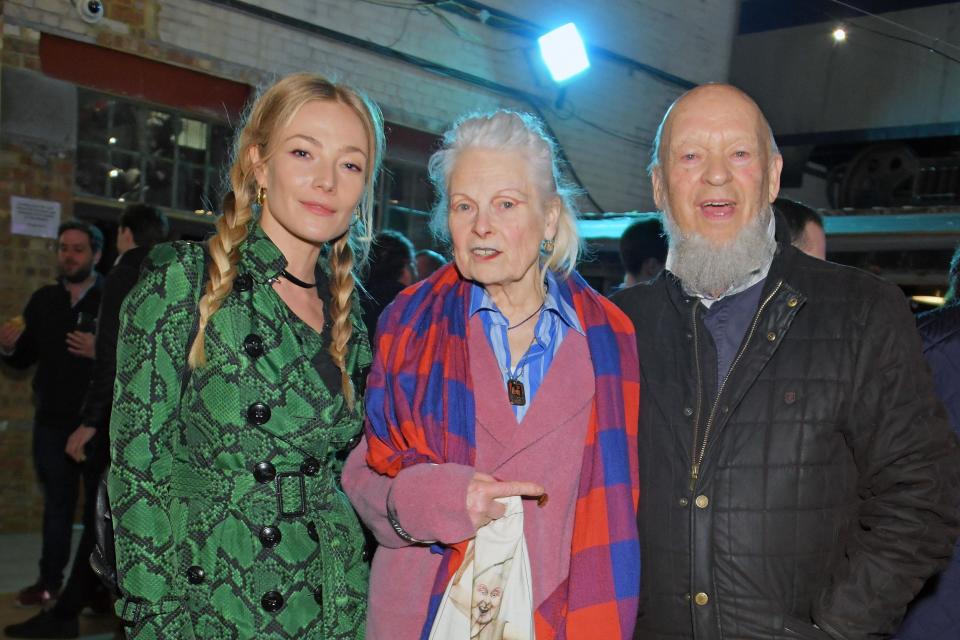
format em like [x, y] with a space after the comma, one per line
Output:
[420, 408]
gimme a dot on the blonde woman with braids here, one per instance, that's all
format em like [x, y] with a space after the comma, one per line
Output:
[238, 391]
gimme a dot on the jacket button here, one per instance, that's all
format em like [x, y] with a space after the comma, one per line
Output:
[771, 336]
[687, 411]
[271, 601]
[792, 302]
[270, 536]
[318, 595]
[310, 467]
[253, 345]
[258, 413]
[264, 472]
[701, 598]
[702, 501]
[354, 441]
[684, 502]
[243, 282]
[312, 532]
[195, 575]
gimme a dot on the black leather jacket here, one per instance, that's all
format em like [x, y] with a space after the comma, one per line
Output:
[118, 283]
[818, 486]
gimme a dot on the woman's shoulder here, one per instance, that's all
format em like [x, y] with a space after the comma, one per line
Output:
[179, 255]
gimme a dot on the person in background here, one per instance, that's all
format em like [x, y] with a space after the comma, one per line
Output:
[935, 614]
[805, 225]
[58, 336]
[643, 251]
[141, 226]
[238, 394]
[502, 375]
[390, 269]
[428, 261]
[798, 478]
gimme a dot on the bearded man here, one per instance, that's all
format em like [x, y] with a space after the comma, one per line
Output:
[798, 477]
[56, 332]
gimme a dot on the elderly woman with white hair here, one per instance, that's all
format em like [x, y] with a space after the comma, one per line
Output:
[501, 416]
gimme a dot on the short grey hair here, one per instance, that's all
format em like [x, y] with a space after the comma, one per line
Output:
[510, 130]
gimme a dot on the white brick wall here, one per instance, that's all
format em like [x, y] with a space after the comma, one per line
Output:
[687, 38]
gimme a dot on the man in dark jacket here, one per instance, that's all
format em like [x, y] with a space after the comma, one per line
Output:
[936, 611]
[797, 480]
[141, 227]
[57, 334]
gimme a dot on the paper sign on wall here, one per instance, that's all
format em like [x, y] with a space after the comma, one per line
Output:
[29, 217]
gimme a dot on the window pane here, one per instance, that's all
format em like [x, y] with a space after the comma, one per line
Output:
[190, 188]
[215, 190]
[193, 141]
[92, 168]
[124, 176]
[409, 186]
[125, 128]
[93, 118]
[159, 132]
[221, 138]
[159, 182]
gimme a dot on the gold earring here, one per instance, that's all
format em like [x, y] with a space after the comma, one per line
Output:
[547, 246]
[261, 196]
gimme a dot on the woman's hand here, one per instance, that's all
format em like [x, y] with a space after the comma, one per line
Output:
[483, 491]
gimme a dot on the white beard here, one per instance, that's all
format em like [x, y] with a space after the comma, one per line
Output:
[711, 270]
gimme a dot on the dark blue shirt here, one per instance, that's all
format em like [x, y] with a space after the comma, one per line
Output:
[727, 320]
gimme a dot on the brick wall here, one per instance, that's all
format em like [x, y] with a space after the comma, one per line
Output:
[36, 172]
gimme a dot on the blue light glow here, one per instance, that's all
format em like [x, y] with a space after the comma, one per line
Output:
[563, 52]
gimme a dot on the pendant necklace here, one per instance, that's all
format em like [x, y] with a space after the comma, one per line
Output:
[297, 281]
[516, 392]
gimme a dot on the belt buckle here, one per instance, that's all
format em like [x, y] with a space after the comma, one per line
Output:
[303, 495]
[137, 606]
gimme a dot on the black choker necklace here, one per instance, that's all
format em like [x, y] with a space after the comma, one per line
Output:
[297, 281]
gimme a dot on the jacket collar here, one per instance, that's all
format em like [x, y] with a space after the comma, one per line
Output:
[260, 258]
[133, 257]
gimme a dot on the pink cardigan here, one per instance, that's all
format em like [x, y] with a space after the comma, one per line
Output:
[430, 500]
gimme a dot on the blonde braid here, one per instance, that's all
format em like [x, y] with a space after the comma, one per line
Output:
[341, 290]
[232, 228]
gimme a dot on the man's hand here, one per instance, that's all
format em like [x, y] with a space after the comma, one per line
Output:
[78, 440]
[483, 491]
[10, 332]
[82, 344]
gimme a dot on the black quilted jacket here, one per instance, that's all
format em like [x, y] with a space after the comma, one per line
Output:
[825, 492]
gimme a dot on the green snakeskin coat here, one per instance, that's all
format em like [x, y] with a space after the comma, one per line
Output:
[229, 518]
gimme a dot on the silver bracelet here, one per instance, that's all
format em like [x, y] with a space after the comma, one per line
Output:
[392, 517]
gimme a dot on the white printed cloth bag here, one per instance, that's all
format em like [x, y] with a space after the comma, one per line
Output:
[490, 597]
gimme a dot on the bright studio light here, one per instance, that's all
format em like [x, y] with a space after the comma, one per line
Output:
[936, 301]
[563, 52]
[839, 34]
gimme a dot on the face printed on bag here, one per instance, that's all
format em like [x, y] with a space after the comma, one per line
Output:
[487, 593]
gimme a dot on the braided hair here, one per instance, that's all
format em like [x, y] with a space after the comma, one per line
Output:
[269, 113]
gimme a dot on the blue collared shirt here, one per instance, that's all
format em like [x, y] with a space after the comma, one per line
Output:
[555, 320]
